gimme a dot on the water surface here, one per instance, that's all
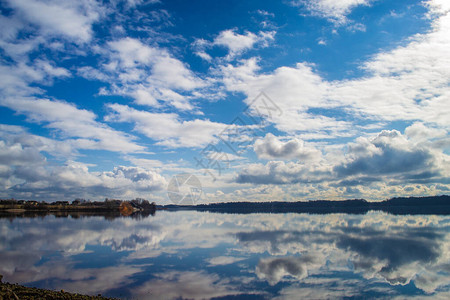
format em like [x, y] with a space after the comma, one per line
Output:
[197, 255]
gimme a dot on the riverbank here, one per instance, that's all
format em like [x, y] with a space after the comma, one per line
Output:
[17, 291]
[111, 207]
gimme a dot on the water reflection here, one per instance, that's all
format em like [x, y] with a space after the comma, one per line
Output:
[199, 255]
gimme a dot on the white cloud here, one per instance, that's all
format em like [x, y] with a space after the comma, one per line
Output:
[69, 19]
[71, 122]
[272, 148]
[389, 153]
[334, 11]
[238, 43]
[13, 47]
[389, 157]
[134, 3]
[51, 70]
[10, 26]
[265, 13]
[73, 180]
[78, 126]
[429, 282]
[234, 192]
[130, 52]
[419, 132]
[166, 71]
[222, 156]
[278, 172]
[428, 136]
[203, 55]
[235, 43]
[18, 135]
[146, 73]
[16, 79]
[408, 83]
[293, 90]
[200, 46]
[91, 73]
[141, 179]
[167, 129]
[25, 171]
[16, 154]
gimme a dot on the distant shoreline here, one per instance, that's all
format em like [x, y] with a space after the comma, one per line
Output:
[411, 205]
[114, 208]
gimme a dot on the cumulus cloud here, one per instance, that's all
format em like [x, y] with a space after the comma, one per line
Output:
[25, 172]
[389, 155]
[74, 180]
[436, 138]
[389, 152]
[334, 11]
[270, 147]
[16, 154]
[406, 84]
[430, 282]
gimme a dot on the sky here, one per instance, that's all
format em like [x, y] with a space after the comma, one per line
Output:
[258, 100]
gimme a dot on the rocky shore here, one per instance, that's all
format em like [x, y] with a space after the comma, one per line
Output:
[16, 292]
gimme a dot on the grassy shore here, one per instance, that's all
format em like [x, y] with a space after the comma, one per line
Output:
[16, 291]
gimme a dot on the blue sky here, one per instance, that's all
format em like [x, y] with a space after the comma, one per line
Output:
[261, 100]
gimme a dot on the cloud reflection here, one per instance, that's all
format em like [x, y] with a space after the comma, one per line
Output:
[274, 269]
[204, 255]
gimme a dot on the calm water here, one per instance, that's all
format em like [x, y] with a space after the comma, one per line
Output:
[207, 255]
